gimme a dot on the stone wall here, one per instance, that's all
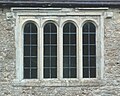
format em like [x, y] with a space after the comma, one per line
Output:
[110, 84]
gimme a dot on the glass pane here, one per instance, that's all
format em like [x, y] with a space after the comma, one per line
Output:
[92, 50]
[65, 73]
[46, 73]
[92, 61]
[47, 50]
[26, 50]
[54, 73]
[26, 38]
[47, 28]
[27, 28]
[54, 39]
[85, 28]
[73, 62]
[26, 73]
[72, 28]
[85, 49]
[65, 50]
[92, 27]
[33, 51]
[53, 61]
[85, 62]
[92, 72]
[92, 39]
[85, 39]
[53, 28]
[33, 61]
[46, 39]
[73, 39]
[85, 73]
[26, 61]
[65, 39]
[53, 51]
[65, 62]
[73, 73]
[66, 28]
[34, 39]
[73, 50]
[46, 62]
[33, 73]
[33, 28]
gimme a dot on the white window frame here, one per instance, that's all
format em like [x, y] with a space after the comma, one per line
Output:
[60, 16]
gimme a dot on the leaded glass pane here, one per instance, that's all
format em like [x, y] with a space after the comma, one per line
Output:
[69, 51]
[30, 51]
[50, 51]
[89, 50]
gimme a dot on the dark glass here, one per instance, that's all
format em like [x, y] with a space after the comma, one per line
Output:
[92, 50]
[26, 50]
[46, 61]
[85, 62]
[46, 38]
[66, 28]
[65, 72]
[54, 73]
[92, 61]
[92, 38]
[85, 28]
[53, 61]
[92, 27]
[26, 73]
[54, 39]
[85, 49]
[85, 38]
[85, 73]
[34, 39]
[47, 50]
[46, 72]
[92, 72]
[26, 61]
[89, 50]
[73, 39]
[33, 51]
[26, 38]
[69, 50]
[66, 62]
[53, 28]
[66, 39]
[50, 50]
[65, 50]
[30, 62]
[33, 28]
[73, 73]
[33, 73]
[73, 62]
[73, 50]
[33, 61]
[27, 28]
[53, 50]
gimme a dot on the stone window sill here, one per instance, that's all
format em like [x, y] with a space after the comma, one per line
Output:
[57, 83]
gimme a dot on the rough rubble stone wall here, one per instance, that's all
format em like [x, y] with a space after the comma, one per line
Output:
[111, 81]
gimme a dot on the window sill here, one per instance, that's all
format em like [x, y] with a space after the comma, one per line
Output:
[57, 83]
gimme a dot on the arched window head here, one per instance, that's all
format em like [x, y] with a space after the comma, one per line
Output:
[50, 50]
[89, 50]
[30, 51]
[69, 51]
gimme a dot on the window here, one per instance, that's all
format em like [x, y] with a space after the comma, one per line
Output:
[55, 47]
[30, 51]
[50, 51]
[69, 51]
[89, 50]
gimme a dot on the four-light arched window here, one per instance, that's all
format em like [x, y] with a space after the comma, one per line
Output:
[51, 47]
